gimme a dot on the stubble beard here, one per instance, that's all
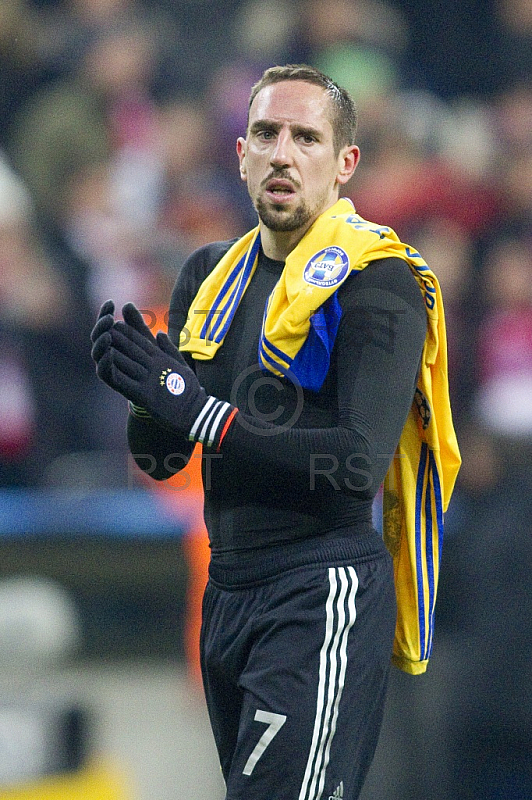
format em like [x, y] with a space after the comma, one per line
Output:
[279, 219]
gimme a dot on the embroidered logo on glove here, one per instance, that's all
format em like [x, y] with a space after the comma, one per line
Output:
[173, 380]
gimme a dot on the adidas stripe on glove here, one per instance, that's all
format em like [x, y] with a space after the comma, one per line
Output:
[152, 374]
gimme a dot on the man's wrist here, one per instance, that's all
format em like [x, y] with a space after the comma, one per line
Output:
[212, 423]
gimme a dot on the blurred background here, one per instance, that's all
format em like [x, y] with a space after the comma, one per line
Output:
[118, 122]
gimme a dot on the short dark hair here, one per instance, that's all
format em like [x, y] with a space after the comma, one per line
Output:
[344, 110]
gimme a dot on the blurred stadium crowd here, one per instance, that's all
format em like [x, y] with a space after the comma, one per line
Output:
[118, 122]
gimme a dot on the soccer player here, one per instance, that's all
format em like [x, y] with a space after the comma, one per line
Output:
[308, 358]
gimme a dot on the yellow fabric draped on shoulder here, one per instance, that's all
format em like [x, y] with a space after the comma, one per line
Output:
[421, 477]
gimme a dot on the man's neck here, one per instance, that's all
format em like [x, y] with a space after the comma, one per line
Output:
[277, 245]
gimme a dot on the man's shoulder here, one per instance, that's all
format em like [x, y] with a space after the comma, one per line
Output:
[203, 260]
[193, 272]
[392, 275]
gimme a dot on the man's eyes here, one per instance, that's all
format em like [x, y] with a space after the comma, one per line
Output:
[267, 135]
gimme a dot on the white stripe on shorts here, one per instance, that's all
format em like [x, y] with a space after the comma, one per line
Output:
[340, 617]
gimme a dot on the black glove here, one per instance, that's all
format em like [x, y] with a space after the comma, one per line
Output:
[153, 375]
[104, 323]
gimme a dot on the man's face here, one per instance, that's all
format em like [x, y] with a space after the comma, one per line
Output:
[288, 158]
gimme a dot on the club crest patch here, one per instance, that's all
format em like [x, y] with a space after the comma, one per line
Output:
[173, 381]
[328, 267]
[423, 408]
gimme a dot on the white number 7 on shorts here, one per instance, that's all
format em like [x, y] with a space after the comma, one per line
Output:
[274, 722]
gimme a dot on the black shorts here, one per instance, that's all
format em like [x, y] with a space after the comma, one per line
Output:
[295, 669]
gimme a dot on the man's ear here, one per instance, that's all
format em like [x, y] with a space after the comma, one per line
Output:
[348, 160]
[241, 152]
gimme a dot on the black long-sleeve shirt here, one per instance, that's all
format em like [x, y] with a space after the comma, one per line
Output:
[297, 464]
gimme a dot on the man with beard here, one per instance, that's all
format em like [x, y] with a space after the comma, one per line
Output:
[306, 354]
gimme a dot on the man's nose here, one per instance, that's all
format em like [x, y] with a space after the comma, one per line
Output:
[282, 152]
